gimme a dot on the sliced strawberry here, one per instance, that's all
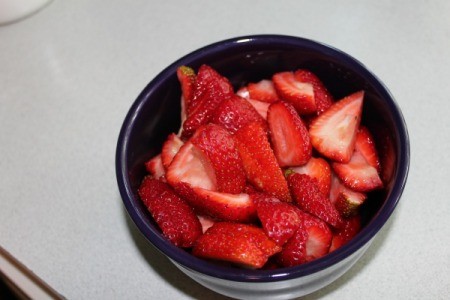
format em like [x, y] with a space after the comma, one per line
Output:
[294, 251]
[320, 169]
[349, 202]
[192, 168]
[311, 241]
[173, 215]
[170, 148]
[263, 90]
[319, 236]
[348, 231]
[187, 78]
[358, 174]
[206, 222]
[221, 206]
[241, 244]
[365, 144]
[234, 113]
[210, 90]
[261, 107]
[309, 198]
[300, 94]
[333, 133]
[345, 200]
[279, 219]
[322, 96]
[219, 146]
[289, 135]
[260, 163]
[155, 167]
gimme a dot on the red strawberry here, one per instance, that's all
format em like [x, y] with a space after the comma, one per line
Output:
[219, 146]
[263, 90]
[221, 206]
[241, 244]
[187, 78]
[261, 107]
[155, 167]
[300, 94]
[322, 96]
[348, 231]
[289, 135]
[170, 148]
[310, 199]
[210, 90]
[345, 200]
[192, 168]
[319, 169]
[279, 219]
[361, 172]
[294, 251]
[311, 241]
[260, 164]
[365, 144]
[319, 236]
[333, 133]
[176, 219]
[234, 113]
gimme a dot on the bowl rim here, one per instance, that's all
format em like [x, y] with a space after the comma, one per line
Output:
[198, 265]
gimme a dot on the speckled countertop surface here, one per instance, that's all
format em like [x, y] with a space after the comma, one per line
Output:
[70, 72]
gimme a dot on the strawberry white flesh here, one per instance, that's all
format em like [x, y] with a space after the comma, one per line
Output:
[261, 107]
[333, 133]
[191, 166]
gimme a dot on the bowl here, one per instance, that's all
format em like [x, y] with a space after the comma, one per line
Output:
[156, 113]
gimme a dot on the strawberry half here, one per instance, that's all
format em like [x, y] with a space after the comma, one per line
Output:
[263, 90]
[219, 146]
[170, 148]
[173, 215]
[192, 168]
[317, 168]
[310, 199]
[260, 163]
[234, 113]
[221, 206]
[210, 90]
[322, 96]
[241, 244]
[311, 241]
[360, 173]
[299, 94]
[349, 230]
[365, 144]
[279, 219]
[155, 167]
[333, 133]
[289, 135]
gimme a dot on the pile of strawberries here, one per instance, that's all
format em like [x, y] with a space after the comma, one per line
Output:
[270, 176]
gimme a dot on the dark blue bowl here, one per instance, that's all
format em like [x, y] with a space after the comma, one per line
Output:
[156, 113]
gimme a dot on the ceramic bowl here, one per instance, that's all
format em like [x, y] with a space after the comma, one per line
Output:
[156, 113]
